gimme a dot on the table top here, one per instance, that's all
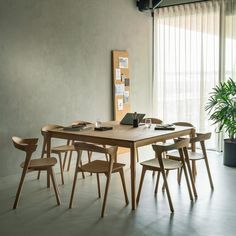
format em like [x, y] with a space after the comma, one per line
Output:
[123, 133]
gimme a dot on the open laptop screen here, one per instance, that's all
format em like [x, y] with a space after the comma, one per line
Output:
[128, 118]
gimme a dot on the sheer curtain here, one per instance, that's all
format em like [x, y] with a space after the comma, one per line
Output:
[229, 38]
[186, 62]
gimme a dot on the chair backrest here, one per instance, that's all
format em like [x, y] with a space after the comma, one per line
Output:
[111, 151]
[201, 137]
[187, 124]
[179, 144]
[48, 127]
[28, 145]
[183, 123]
[81, 146]
[44, 131]
[154, 121]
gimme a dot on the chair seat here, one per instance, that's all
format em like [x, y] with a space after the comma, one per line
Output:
[168, 164]
[40, 163]
[63, 148]
[192, 155]
[99, 166]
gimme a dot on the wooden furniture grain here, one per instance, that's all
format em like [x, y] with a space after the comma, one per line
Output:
[123, 136]
[192, 147]
[29, 146]
[197, 155]
[66, 149]
[58, 150]
[161, 164]
[99, 167]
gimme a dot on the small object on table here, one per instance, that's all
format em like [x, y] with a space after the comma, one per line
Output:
[135, 120]
[103, 128]
[148, 123]
[165, 127]
[98, 123]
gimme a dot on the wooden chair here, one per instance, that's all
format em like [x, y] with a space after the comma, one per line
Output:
[191, 146]
[59, 150]
[197, 155]
[77, 122]
[29, 146]
[71, 143]
[154, 121]
[161, 164]
[66, 149]
[99, 167]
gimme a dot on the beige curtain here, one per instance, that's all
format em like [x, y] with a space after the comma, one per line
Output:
[186, 62]
[228, 47]
[229, 39]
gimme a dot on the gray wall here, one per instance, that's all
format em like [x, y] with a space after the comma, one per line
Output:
[55, 64]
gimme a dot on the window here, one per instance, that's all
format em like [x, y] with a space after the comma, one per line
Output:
[188, 61]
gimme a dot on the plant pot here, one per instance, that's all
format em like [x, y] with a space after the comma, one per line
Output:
[230, 152]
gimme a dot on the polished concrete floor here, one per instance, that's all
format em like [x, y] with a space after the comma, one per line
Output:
[213, 213]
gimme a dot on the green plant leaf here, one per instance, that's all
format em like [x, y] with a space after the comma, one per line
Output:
[221, 107]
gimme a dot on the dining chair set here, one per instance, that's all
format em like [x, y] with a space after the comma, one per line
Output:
[176, 155]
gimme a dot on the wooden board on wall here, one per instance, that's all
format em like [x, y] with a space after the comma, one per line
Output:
[121, 86]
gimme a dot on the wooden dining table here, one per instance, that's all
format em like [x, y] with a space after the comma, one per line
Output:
[122, 136]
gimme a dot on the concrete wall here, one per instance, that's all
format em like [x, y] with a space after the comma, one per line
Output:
[55, 64]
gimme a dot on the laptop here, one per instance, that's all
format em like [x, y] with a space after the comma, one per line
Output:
[128, 118]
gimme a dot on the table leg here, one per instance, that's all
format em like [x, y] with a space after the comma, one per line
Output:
[133, 157]
[48, 138]
[192, 135]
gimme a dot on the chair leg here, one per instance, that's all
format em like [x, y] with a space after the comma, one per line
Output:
[39, 172]
[167, 191]
[61, 168]
[187, 181]
[89, 156]
[73, 187]
[141, 184]
[89, 160]
[179, 175]
[82, 171]
[178, 171]
[48, 179]
[163, 186]
[99, 189]
[55, 186]
[209, 173]
[106, 155]
[194, 170]
[70, 156]
[105, 194]
[157, 182]
[121, 172]
[20, 188]
[64, 160]
[191, 177]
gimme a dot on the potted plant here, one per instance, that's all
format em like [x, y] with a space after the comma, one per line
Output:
[222, 109]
